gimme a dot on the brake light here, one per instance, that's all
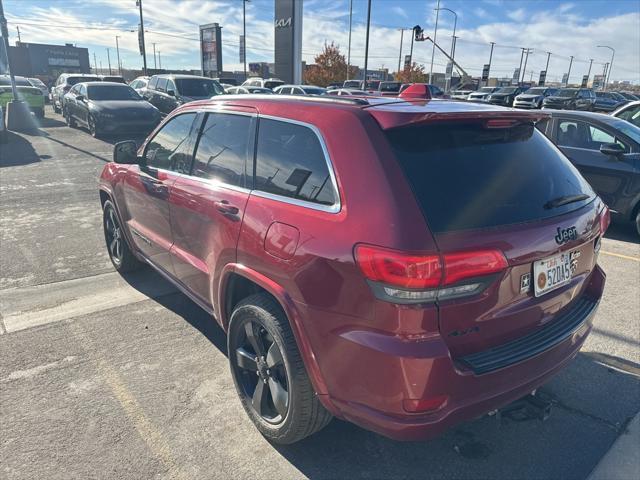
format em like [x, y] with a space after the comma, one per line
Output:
[411, 278]
[500, 123]
[605, 219]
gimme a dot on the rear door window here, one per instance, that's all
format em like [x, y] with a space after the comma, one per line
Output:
[161, 85]
[223, 148]
[153, 83]
[465, 176]
[291, 162]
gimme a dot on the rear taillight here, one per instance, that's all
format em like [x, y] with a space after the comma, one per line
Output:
[409, 278]
[605, 219]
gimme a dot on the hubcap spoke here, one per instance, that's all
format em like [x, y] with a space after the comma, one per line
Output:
[279, 395]
[259, 397]
[254, 339]
[113, 245]
[274, 356]
[246, 360]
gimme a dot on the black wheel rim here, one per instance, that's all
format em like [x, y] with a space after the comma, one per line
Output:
[113, 234]
[261, 372]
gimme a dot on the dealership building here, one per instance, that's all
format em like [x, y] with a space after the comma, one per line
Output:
[47, 62]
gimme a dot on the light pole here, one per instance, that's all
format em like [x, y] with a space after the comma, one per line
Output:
[569, 72]
[453, 41]
[366, 45]
[526, 58]
[520, 67]
[490, 57]
[155, 63]
[349, 43]
[144, 50]
[435, 37]
[109, 61]
[546, 68]
[244, 34]
[118, 54]
[589, 72]
[400, 53]
[613, 53]
[159, 60]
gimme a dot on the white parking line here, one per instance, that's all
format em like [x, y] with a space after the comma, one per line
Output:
[28, 307]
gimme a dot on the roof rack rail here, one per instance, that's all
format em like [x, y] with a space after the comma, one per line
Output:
[305, 98]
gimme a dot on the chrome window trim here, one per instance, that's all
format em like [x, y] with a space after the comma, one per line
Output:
[206, 181]
[336, 207]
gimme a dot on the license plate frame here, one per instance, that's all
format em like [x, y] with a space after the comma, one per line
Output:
[551, 273]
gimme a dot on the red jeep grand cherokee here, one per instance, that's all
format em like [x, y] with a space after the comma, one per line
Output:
[401, 264]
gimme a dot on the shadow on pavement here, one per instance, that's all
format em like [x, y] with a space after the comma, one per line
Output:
[623, 231]
[18, 151]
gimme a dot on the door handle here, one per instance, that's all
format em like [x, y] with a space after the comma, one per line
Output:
[223, 206]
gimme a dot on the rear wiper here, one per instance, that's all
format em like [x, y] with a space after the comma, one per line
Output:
[564, 200]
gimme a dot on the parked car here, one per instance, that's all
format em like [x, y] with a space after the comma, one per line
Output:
[629, 112]
[482, 94]
[436, 92]
[113, 78]
[629, 96]
[484, 288]
[64, 84]
[389, 88]
[460, 94]
[246, 90]
[348, 92]
[608, 102]
[533, 97]
[232, 82]
[33, 96]
[36, 82]
[357, 84]
[108, 108]
[168, 92]
[270, 83]
[571, 99]
[3, 127]
[606, 150]
[505, 96]
[299, 90]
[140, 84]
[333, 85]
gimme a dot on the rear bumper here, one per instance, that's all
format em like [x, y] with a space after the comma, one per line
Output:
[378, 374]
[527, 105]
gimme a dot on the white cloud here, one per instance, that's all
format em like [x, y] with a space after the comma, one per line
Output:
[480, 12]
[518, 15]
[400, 11]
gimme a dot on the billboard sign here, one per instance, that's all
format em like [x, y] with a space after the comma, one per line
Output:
[288, 40]
[407, 62]
[585, 80]
[448, 71]
[543, 78]
[485, 72]
[565, 78]
[210, 50]
[516, 76]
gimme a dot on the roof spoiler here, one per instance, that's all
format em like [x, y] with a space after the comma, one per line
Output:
[416, 91]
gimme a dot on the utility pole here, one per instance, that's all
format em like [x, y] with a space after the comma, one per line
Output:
[569, 72]
[524, 70]
[349, 47]
[366, 45]
[520, 67]
[109, 61]
[608, 76]
[400, 54]
[435, 38]
[144, 50]
[453, 43]
[490, 57]
[160, 59]
[118, 53]
[18, 29]
[604, 76]
[244, 34]
[95, 63]
[546, 68]
[589, 72]
[411, 52]
[155, 63]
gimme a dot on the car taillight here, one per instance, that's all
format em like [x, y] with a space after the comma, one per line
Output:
[605, 219]
[409, 278]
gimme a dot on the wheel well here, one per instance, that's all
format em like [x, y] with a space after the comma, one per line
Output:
[104, 196]
[238, 288]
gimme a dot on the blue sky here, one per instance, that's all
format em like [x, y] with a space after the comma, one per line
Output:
[563, 27]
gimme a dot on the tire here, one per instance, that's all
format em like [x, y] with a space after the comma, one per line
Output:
[93, 128]
[56, 109]
[120, 253]
[71, 122]
[638, 223]
[259, 320]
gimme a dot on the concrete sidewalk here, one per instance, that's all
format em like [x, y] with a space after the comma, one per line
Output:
[622, 461]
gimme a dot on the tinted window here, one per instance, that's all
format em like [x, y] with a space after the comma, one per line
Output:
[74, 80]
[272, 84]
[290, 162]
[469, 177]
[567, 93]
[153, 82]
[169, 148]
[198, 87]
[223, 148]
[576, 134]
[161, 85]
[631, 114]
[112, 92]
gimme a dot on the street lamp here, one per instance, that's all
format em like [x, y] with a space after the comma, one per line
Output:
[453, 39]
[613, 52]
[118, 53]
[435, 37]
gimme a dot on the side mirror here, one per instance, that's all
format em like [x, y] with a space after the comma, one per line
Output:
[614, 149]
[126, 153]
[171, 93]
[80, 98]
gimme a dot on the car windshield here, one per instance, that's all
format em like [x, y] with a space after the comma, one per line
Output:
[273, 83]
[111, 92]
[485, 177]
[313, 90]
[536, 91]
[74, 80]
[198, 87]
[507, 90]
[390, 86]
[567, 93]
[20, 82]
[486, 90]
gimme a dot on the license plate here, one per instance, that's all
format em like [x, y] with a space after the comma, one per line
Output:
[551, 273]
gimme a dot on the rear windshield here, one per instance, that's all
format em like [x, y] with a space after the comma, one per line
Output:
[112, 92]
[465, 176]
[113, 79]
[390, 86]
[273, 83]
[73, 80]
[198, 87]
[567, 93]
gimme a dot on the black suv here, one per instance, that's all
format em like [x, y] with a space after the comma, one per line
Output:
[571, 99]
[168, 92]
[505, 96]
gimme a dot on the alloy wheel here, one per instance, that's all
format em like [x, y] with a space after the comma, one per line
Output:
[114, 236]
[92, 126]
[261, 372]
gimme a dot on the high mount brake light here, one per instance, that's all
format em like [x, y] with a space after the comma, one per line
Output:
[413, 278]
[501, 123]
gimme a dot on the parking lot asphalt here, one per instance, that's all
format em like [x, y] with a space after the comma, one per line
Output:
[110, 377]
